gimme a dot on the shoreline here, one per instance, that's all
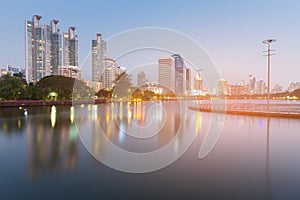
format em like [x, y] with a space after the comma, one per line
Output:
[32, 103]
[255, 112]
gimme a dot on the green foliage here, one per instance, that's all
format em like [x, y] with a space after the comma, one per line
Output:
[64, 86]
[123, 86]
[103, 93]
[14, 88]
[11, 87]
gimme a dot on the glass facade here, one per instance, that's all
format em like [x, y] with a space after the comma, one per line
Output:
[98, 58]
[28, 50]
[44, 49]
[179, 74]
[70, 48]
[56, 60]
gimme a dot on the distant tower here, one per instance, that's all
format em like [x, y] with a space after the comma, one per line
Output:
[166, 72]
[188, 80]
[252, 84]
[98, 56]
[179, 74]
[222, 87]
[198, 82]
[141, 79]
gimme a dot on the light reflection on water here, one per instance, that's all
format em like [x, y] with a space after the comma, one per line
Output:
[255, 158]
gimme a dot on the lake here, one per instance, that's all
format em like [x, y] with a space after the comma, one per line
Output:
[64, 152]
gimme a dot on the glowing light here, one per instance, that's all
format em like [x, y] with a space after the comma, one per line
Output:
[107, 116]
[198, 122]
[121, 111]
[25, 112]
[73, 133]
[129, 114]
[19, 123]
[94, 113]
[72, 114]
[53, 116]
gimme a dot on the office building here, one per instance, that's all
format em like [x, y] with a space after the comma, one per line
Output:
[179, 74]
[198, 82]
[222, 87]
[188, 80]
[98, 58]
[166, 73]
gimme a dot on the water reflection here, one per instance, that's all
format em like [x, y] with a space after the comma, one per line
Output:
[53, 116]
[134, 126]
[255, 157]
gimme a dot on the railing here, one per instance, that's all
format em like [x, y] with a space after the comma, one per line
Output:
[255, 108]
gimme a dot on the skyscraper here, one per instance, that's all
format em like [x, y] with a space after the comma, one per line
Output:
[166, 72]
[198, 82]
[70, 48]
[179, 74]
[43, 50]
[37, 49]
[56, 50]
[188, 80]
[98, 56]
[111, 71]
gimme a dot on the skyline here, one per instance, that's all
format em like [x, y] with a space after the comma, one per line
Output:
[239, 49]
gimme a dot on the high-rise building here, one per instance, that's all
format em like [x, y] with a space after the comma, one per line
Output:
[188, 80]
[111, 71]
[198, 82]
[252, 82]
[37, 49]
[222, 87]
[141, 79]
[10, 70]
[166, 73]
[98, 56]
[179, 74]
[56, 50]
[70, 48]
[70, 67]
[43, 49]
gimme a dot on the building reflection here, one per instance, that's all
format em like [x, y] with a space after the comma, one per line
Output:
[126, 123]
[268, 159]
[12, 121]
[52, 147]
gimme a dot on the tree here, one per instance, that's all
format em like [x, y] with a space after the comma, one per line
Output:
[65, 87]
[104, 93]
[20, 75]
[123, 86]
[11, 88]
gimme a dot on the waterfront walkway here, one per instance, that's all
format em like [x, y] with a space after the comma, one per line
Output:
[276, 110]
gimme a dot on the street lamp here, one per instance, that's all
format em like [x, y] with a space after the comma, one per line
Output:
[268, 42]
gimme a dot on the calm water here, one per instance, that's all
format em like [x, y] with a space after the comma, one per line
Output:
[44, 154]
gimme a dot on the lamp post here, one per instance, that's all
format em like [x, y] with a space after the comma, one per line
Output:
[268, 42]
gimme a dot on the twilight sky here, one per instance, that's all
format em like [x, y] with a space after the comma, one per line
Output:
[230, 31]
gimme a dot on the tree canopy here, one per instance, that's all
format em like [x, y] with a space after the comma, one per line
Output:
[15, 88]
[11, 87]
